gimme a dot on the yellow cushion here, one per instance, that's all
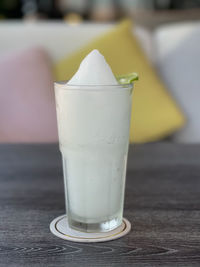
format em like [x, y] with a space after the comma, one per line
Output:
[154, 114]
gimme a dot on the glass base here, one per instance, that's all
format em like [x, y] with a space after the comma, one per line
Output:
[94, 227]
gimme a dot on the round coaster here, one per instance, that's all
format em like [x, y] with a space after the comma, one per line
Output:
[59, 227]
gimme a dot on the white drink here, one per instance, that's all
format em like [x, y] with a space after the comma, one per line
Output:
[93, 124]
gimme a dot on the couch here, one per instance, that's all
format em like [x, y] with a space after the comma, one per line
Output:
[173, 49]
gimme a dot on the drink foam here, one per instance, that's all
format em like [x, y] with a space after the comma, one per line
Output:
[93, 70]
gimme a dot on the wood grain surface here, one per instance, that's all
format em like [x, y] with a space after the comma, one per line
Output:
[162, 203]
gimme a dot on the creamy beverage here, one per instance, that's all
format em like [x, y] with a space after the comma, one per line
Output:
[93, 114]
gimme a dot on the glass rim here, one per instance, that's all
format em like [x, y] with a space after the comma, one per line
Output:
[69, 87]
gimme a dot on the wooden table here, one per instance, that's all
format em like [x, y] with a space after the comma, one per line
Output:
[162, 203]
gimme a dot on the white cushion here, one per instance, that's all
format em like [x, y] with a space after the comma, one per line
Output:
[59, 39]
[178, 61]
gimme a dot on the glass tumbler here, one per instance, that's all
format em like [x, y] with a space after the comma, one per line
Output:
[93, 127]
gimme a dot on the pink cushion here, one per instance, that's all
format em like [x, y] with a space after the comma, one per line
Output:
[27, 108]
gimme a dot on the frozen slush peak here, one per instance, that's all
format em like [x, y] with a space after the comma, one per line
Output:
[93, 70]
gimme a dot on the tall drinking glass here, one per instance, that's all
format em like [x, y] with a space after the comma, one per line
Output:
[93, 127]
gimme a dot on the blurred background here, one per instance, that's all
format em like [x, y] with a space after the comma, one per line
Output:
[154, 12]
[41, 40]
